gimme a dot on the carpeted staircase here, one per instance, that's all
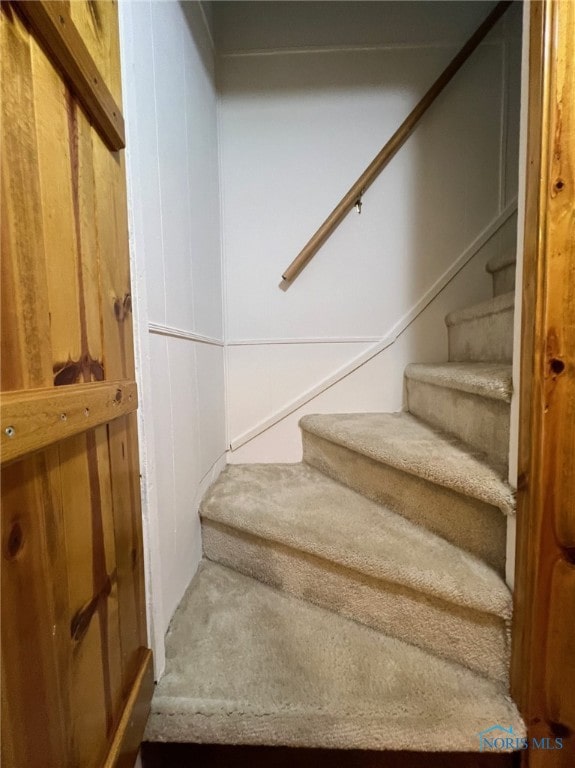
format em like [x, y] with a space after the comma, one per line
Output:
[357, 600]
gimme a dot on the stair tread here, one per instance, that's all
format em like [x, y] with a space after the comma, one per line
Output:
[247, 664]
[492, 306]
[407, 444]
[300, 507]
[500, 261]
[492, 380]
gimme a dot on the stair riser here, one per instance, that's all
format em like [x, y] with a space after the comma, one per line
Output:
[484, 339]
[474, 526]
[476, 640]
[481, 422]
[504, 280]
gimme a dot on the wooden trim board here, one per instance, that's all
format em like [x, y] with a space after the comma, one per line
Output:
[130, 731]
[51, 22]
[36, 418]
[543, 650]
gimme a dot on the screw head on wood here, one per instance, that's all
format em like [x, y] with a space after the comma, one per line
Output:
[10, 431]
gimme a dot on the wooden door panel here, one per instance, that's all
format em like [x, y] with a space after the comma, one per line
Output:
[26, 358]
[61, 245]
[112, 228]
[76, 674]
[123, 446]
[32, 544]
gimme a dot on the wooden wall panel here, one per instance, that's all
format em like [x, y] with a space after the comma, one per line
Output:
[543, 654]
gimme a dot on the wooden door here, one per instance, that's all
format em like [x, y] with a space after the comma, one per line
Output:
[543, 664]
[76, 673]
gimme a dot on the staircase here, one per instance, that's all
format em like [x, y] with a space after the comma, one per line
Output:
[357, 600]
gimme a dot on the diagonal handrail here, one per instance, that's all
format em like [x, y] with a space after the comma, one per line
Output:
[354, 195]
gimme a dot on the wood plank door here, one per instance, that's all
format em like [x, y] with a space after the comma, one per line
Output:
[76, 674]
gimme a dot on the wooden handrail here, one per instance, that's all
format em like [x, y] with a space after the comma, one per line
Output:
[399, 138]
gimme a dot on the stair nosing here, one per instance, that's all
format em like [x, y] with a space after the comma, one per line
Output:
[504, 500]
[184, 707]
[372, 567]
[425, 373]
[495, 306]
[500, 261]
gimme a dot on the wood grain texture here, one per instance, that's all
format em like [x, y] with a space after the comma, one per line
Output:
[26, 346]
[123, 445]
[97, 24]
[73, 609]
[543, 641]
[130, 730]
[54, 27]
[33, 419]
[33, 677]
[115, 289]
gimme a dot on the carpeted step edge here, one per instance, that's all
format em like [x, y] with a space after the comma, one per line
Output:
[479, 421]
[180, 721]
[503, 303]
[472, 638]
[498, 604]
[483, 380]
[179, 714]
[498, 493]
[501, 261]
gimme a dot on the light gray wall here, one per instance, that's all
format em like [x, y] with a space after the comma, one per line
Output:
[172, 164]
[251, 26]
[309, 93]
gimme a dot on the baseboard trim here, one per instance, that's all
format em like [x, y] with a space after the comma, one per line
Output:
[388, 339]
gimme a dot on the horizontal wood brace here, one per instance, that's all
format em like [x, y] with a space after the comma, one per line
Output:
[53, 26]
[33, 419]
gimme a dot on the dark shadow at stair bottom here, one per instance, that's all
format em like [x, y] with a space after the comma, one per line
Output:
[156, 755]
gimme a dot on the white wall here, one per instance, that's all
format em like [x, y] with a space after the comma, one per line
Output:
[309, 92]
[172, 168]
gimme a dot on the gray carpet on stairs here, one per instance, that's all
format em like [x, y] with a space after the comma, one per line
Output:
[483, 332]
[247, 664]
[405, 443]
[291, 526]
[470, 401]
[357, 600]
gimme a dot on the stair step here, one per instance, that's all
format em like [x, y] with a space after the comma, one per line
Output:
[415, 470]
[247, 664]
[468, 400]
[482, 333]
[294, 528]
[502, 267]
